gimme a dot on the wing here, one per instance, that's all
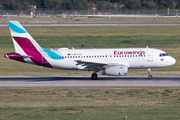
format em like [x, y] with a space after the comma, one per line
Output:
[91, 65]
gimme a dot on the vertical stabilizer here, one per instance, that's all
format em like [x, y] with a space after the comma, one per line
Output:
[27, 49]
[21, 38]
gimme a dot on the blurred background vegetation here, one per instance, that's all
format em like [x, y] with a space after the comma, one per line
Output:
[88, 4]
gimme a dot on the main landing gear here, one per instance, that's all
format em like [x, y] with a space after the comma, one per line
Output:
[94, 76]
[149, 72]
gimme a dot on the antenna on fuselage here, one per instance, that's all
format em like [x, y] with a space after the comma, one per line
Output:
[147, 47]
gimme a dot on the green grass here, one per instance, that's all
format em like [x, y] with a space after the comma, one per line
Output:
[93, 113]
[100, 37]
[89, 103]
[165, 38]
[54, 19]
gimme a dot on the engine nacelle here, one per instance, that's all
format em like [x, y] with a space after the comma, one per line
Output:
[116, 70]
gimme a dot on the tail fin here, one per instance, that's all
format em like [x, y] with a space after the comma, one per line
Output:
[21, 38]
[27, 49]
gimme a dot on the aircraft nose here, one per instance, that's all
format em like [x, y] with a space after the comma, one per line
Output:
[173, 61]
[168, 61]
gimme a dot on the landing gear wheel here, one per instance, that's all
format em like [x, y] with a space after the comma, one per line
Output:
[94, 76]
[150, 76]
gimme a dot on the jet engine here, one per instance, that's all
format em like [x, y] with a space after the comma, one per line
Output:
[117, 70]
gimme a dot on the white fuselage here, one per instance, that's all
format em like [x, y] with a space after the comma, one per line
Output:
[133, 58]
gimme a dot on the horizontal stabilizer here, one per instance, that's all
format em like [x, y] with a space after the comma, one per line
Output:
[19, 56]
[16, 56]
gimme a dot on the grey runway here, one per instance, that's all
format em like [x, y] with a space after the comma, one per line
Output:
[92, 24]
[85, 81]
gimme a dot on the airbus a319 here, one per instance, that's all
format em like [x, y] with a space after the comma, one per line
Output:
[112, 62]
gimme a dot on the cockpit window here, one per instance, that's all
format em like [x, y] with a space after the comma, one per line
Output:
[163, 54]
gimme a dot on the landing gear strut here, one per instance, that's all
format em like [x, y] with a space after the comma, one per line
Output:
[94, 76]
[149, 72]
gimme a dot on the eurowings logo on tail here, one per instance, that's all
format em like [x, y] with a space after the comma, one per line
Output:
[25, 45]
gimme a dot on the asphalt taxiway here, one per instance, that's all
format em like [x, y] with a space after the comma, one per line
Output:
[85, 81]
[93, 24]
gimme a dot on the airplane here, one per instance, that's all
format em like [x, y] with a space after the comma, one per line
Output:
[111, 62]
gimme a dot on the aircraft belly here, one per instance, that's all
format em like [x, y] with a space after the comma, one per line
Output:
[63, 64]
[142, 64]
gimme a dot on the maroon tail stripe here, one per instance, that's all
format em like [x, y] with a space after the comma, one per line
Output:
[31, 50]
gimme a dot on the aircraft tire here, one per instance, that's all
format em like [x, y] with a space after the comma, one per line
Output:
[150, 76]
[94, 76]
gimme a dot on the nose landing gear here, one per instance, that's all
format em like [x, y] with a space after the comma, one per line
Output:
[149, 72]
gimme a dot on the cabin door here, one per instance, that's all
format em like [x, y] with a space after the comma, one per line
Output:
[150, 56]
